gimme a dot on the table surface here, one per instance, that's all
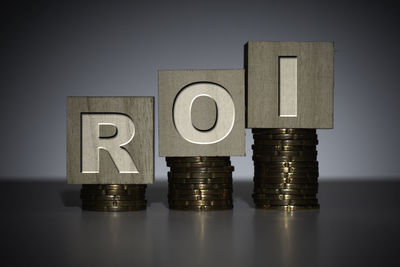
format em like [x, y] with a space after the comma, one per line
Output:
[357, 225]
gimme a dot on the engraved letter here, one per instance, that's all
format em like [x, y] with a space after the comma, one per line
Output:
[182, 110]
[92, 142]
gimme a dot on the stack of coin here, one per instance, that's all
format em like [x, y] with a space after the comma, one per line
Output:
[113, 197]
[200, 183]
[285, 169]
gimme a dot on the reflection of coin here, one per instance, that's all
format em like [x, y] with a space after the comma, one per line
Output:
[113, 208]
[287, 207]
[201, 207]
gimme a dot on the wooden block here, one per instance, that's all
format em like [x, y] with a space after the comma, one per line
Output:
[201, 113]
[289, 84]
[110, 140]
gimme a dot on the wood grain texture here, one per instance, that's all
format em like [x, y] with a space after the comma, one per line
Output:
[314, 84]
[141, 147]
[204, 113]
[171, 142]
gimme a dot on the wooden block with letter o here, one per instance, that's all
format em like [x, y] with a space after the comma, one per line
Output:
[289, 84]
[201, 113]
[110, 140]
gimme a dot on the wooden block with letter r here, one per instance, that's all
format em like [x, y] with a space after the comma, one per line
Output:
[110, 140]
[201, 113]
[289, 84]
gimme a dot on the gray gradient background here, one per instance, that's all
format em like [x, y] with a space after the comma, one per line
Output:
[53, 50]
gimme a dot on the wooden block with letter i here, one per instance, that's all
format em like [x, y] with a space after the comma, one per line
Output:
[289, 85]
[289, 96]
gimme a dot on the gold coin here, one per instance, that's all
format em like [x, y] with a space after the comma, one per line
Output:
[198, 164]
[200, 191]
[173, 197]
[200, 175]
[282, 131]
[303, 202]
[197, 159]
[282, 196]
[286, 185]
[228, 169]
[200, 202]
[200, 180]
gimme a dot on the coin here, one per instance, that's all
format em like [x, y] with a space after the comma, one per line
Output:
[200, 197]
[200, 202]
[227, 169]
[267, 173]
[297, 164]
[197, 164]
[113, 192]
[270, 148]
[200, 183]
[200, 180]
[286, 185]
[285, 142]
[260, 157]
[266, 169]
[284, 153]
[304, 202]
[114, 186]
[200, 186]
[197, 159]
[259, 181]
[304, 136]
[200, 175]
[286, 191]
[282, 196]
[200, 191]
[282, 131]
[111, 197]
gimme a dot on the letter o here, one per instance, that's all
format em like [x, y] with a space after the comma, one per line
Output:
[182, 110]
